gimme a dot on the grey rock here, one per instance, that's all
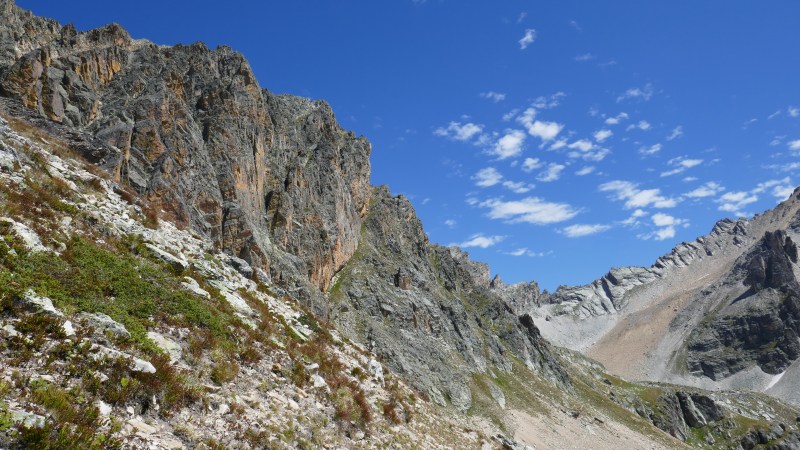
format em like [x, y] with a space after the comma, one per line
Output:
[39, 304]
[449, 326]
[102, 323]
[178, 263]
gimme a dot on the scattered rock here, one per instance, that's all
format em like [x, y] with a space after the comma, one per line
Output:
[104, 408]
[138, 425]
[179, 263]
[27, 419]
[68, 328]
[38, 304]
[193, 286]
[172, 348]
[102, 323]
[28, 237]
[241, 266]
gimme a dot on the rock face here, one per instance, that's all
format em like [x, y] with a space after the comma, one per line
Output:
[272, 179]
[428, 311]
[607, 295]
[276, 183]
[761, 324]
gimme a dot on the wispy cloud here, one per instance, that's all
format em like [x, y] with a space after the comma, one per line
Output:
[509, 145]
[531, 210]
[585, 171]
[458, 131]
[552, 173]
[584, 57]
[675, 133]
[518, 187]
[522, 16]
[794, 145]
[666, 226]
[481, 241]
[617, 119]
[651, 150]
[527, 39]
[530, 253]
[580, 230]
[548, 101]
[450, 223]
[530, 164]
[636, 93]
[735, 202]
[709, 189]
[486, 177]
[680, 165]
[493, 96]
[792, 111]
[642, 125]
[602, 135]
[637, 198]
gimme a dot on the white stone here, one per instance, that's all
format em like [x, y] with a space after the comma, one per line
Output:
[223, 409]
[29, 237]
[102, 322]
[193, 286]
[139, 425]
[376, 369]
[10, 330]
[41, 304]
[104, 408]
[318, 381]
[170, 347]
[68, 329]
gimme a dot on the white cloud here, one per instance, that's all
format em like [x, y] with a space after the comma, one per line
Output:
[675, 133]
[583, 145]
[794, 145]
[486, 177]
[522, 16]
[633, 220]
[617, 119]
[545, 131]
[558, 145]
[450, 223]
[552, 173]
[774, 115]
[529, 210]
[666, 227]
[635, 197]
[642, 125]
[680, 164]
[493, 96]
[458, 131]
[709, 189]
[586, 150]
[530, 164]
[525, 252]
[580, 230]
[481, 241]
[518, 187]
[735, 202]
[763, 186]
[783, 192]
[510, 115]
[584, 57]
[509, 145]
[548, 102]
[602, 135]
[527, 39]
[635, 93]
[652, 150]
[689, 179]
[792, 111]
[585, 171]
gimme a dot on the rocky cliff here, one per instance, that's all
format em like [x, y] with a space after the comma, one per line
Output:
[428, 311]
[718, 312]
[272, 179]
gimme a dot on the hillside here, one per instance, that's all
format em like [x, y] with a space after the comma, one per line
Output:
[190, 261]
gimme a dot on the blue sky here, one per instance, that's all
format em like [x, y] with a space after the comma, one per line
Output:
[553, 140]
